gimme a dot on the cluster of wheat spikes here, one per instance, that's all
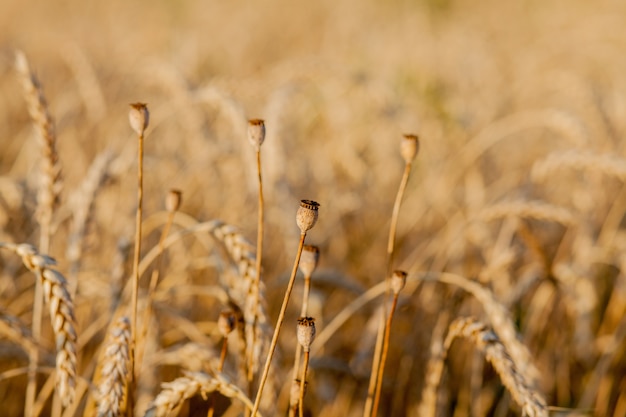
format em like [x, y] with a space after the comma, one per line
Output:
[133, 345]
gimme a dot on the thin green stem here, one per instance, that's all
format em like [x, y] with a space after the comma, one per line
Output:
[279, 322]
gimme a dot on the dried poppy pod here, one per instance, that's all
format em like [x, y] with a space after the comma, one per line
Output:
[294, 394]
[256, 132]
[226, 322]
[309, 259]
[398, 280]
[306, 332]
[139, 117]
[173, 200]
[409, 147]
[306, 217]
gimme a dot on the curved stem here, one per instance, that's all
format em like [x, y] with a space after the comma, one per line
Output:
[383, 359]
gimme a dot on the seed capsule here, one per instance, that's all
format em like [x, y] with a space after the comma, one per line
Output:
[226, 322]
[309, 259]
[256, 132]
[409, 147]
[294, 394]
[173, 200]
[139, 117]
[398, 280]
[306, 332]
[306, 217]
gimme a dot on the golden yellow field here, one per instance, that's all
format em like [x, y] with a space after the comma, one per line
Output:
[512, 226]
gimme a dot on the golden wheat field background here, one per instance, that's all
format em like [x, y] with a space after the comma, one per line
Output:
[511, 229]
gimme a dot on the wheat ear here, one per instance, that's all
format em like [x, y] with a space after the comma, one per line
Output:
[61, 307]
[47, 197]
[532, 402]
[499, 318]
[176, 392]
[115, 370]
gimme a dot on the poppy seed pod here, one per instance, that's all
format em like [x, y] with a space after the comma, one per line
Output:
[309, 259]
[256, 132]
[306, 332]
[294, 394]
[398, 280]
[306, 217]
[409, 147]
[226, 322]
[173, 200]
[139, 117]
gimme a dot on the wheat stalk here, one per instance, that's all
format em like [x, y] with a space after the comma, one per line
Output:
[115, 370]
[246, 290]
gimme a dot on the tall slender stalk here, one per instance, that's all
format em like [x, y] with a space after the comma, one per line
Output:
[139, 119]
[306, 217]
[408, 149]
[256, 136]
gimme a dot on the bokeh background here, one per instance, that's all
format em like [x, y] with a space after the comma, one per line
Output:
[521, 112]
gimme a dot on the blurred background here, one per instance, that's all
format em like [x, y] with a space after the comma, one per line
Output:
[520, 108]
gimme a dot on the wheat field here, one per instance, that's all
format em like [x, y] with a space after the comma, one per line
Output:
[144, 272]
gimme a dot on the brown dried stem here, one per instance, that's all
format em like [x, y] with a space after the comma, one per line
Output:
[279, 322]
[380, 344]
[139, 122]
[257, 278]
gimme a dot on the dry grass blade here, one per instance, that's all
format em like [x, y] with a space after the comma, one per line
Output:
[532, 402]
[115, 370]
[193, 383]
